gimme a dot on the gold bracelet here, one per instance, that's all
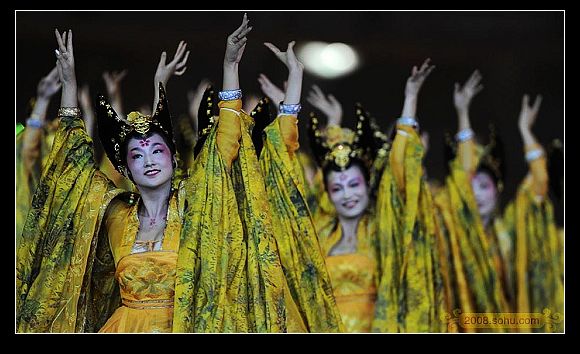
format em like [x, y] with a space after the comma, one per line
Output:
[69, 112]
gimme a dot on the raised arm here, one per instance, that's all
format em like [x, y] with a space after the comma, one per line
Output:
[462, 97]
[274, 93]
[65, 65]
[236, 43]
[327, 104]
[229, 129]
[87, 109]
[113, 82]
[47, 87]
[166, 70]
[407, 124]
[291, 105]
[535, 154]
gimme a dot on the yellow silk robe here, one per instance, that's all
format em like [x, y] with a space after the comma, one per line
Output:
[71, 258]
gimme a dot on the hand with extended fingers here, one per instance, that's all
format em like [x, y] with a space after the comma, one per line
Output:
[113, 81]
[274, 93]
[236, 43]
[462, 95]
[288, 57]
[417, 78]
[65, 61]
[174, 67]
[528, 114]
[327, 104]
[48, 85]
[65, 65]
[295, 71]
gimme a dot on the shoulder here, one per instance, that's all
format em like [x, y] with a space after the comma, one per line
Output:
[120, 206]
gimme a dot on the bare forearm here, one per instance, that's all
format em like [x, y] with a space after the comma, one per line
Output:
[231, 80]
[528, 138]
[463, 120]
[465, 148]
[410, 107]
[117, 103]
[40, 108]
[69, 95]
[294, 89]
[33, 134]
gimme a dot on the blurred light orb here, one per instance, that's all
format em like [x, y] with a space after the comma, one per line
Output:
[328, 60]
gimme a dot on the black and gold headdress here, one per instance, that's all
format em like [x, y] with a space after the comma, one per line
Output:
[263, 116]
[114, 131]
[206, 117]
[338, 147]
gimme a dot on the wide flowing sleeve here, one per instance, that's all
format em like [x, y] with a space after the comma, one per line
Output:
[475, 256]
[53, 250]
[410, 290]
[28, 171]
[229, 278]
[300, 252]
[538, 255]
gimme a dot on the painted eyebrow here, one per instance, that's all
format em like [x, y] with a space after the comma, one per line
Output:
[138, 148]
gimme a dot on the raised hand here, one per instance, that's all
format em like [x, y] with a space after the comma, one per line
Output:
[288, 57]
[417, 78]
[327, 104]
[65, 61]
[65, 64]
[295, 71]
[113, 81]
[236, 43]
[528, 114]
[274, 93]
[174, 67]
[166, 70]
[48, 85]
[462, 95]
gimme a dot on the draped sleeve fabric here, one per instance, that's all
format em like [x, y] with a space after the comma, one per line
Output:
[229, 278]
[29, 162]
[410, 294]
[475, 258]
[538, 256]
[56, 247]
[301, 255]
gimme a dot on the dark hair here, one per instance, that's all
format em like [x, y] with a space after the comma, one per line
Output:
[353, 162]
[483, 168]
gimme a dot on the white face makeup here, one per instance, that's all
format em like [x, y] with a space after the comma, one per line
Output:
[150, 161]
[485, 193]
[348, 191]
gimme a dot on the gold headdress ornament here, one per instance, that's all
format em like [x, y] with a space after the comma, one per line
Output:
[338, 146]
[114, 130]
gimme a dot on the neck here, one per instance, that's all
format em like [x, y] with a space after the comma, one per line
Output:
[486, 220]
[155, 200]
[349, 225]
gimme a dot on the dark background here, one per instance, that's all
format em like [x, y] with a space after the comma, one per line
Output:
[517, 52]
